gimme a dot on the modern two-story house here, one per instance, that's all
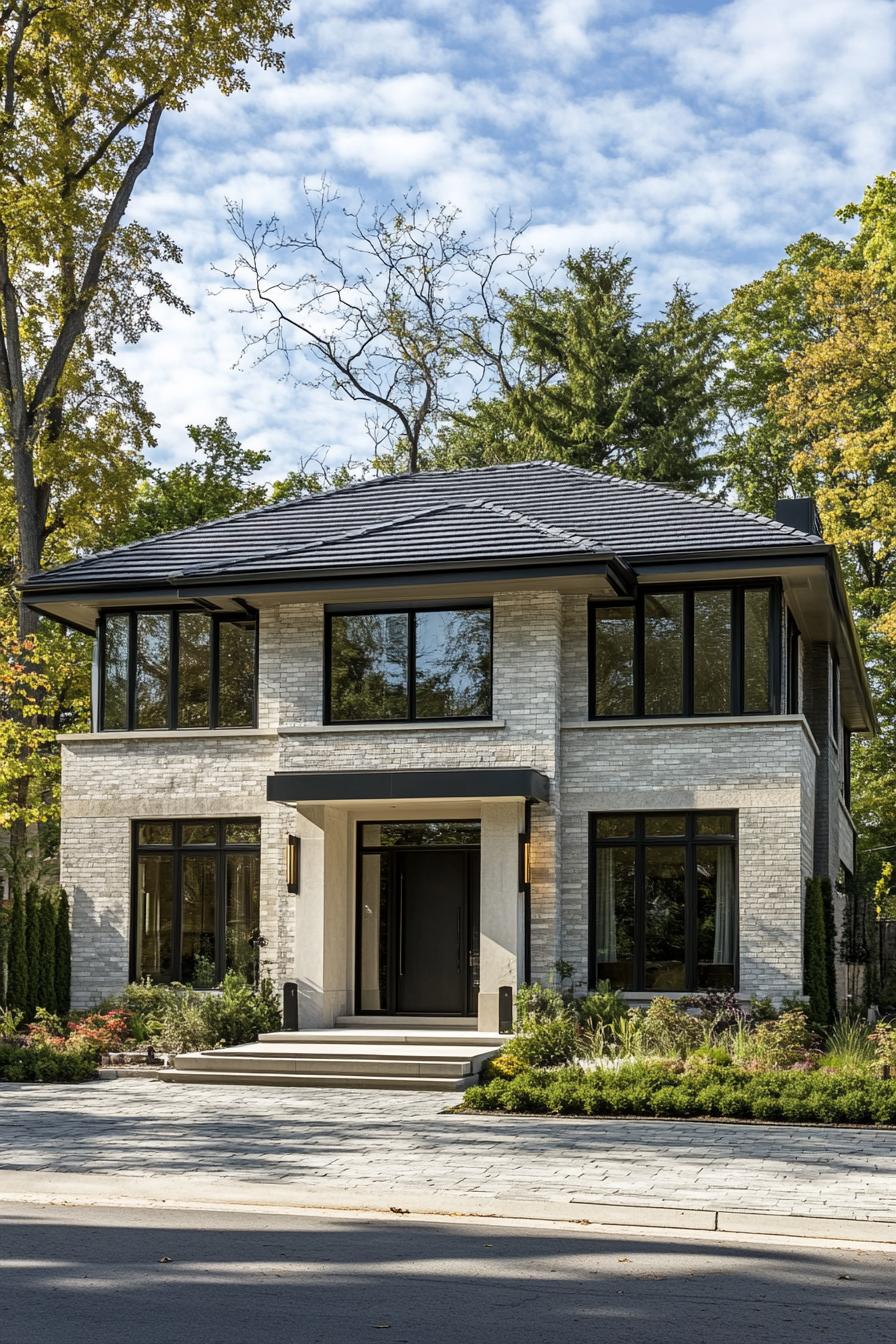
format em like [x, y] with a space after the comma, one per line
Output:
[410, 742]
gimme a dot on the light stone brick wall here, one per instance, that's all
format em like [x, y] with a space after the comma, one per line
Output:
[765, 770]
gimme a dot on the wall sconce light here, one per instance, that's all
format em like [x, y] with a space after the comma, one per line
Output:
[525, 862]
[293, 864]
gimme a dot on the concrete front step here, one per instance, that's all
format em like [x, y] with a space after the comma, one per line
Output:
[463, 1040]
[407, 1022]
[345, 1057]
[386, 1082]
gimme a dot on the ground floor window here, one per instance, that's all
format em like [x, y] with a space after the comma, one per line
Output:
[195, 906]
[664, 900]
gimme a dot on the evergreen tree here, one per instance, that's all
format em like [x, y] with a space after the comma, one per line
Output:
[45, 983]
[815, 957]
[63, 965]
[32, 946]
[830, 946]
[17, 963]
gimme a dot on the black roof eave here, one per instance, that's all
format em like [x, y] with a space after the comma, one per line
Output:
[212, 583]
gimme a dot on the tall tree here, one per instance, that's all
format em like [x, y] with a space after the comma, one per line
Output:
[83, 87]
[217, 483]
[596, 386]
[396, 309]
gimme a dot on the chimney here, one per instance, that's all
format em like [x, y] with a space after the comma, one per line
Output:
[799, 513]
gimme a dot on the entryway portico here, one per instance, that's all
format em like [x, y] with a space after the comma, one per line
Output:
[412, 898]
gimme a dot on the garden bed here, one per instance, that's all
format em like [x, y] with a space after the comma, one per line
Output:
[706, 1059]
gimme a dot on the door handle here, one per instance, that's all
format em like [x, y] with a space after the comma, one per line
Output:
[458, 939]
[401, 924]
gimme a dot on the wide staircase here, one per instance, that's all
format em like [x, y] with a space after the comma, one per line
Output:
[420, 1054]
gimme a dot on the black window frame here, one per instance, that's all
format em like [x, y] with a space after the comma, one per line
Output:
[639, 841]
[737, 590]
[410, 610]
[177, 849]
[217, 619]
[794, 645]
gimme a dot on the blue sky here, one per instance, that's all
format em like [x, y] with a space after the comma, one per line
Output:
[700, 138]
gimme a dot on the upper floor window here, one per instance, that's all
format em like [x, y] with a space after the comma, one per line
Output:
[177, 669]
[385, 666]
[712, 650]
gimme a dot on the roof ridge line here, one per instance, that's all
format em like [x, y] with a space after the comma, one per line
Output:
[549, 529]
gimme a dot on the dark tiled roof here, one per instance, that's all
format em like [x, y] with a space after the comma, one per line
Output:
[532, 510]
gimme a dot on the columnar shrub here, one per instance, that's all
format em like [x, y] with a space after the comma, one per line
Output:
[17, 955]
[63, 960]
[830, 948]
[45, 979]
[815, 957]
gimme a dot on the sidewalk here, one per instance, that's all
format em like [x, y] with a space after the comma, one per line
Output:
[386, 1150]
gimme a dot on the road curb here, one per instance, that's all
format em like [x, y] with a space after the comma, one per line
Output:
[65, 1187]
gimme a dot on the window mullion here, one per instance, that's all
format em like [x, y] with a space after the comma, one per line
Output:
[690, 904]
[173, 667]
[412, 665]
[214, 673]
[639, 655]
[132, 671]
[687, 659]
[737, 660]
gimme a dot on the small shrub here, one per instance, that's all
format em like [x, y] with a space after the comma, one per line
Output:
[238, 1014]
[719, 1010]
[544, 1044]
[848, 1044]
[762, 1010]
[103, 1031]
[883, 1038]
[783, 1042]
[707, 1056]
[46, 1063]
[502, 1066]
[539, 1003]
[669, 1029]
[603, 1007]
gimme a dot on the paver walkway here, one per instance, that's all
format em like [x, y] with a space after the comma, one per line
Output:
[374, 1142]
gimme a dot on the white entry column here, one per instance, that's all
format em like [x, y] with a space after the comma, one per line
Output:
[501, 953]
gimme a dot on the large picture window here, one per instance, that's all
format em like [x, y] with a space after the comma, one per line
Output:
[664, 901]
[177, 669]
[385, 666]
[673, 652]
[195, 909]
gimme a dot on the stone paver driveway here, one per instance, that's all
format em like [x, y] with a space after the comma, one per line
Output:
[373, 1142]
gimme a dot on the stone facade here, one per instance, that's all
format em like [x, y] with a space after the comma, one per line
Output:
[772, 770]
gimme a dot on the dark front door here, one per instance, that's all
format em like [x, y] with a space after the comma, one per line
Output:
[417, 930]
[433, 932]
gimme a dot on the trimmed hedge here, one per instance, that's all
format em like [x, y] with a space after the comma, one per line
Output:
[716, 1091]
[45, 1064]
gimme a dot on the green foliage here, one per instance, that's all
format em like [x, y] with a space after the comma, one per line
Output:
[713, 1091]
[594, 386]
[830, 947]
[782, 1042]
[504, 1065]
[540, 1003]
[545, 1042]
[217, 483]
[32, 949]
[176, 1018]
[604, 1006]
[46, 1064]
[815, 953]
[17, 995]
[669, 1029]
[45, 983]
[62, 971]
[884, 1040]
[848, 1044]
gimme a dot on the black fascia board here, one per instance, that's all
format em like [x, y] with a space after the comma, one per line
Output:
[313, 786]
[615, 571]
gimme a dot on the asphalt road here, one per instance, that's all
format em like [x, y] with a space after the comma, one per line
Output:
[145, 1276]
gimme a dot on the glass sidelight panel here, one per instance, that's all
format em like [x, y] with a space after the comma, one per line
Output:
[614, 661]
[615, 916]
[716, 917]
[243, 871]
[198, 914]
[153, 667]
[664, 917]
[373, 967]
[236, 673]
[756, 650]
[116, 643]
[194, 669]
[663, 653]
[155, 905]
[712, 652]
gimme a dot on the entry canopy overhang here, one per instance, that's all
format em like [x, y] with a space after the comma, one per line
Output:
[346, 786]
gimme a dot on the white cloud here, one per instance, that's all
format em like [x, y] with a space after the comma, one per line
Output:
[699, 141]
